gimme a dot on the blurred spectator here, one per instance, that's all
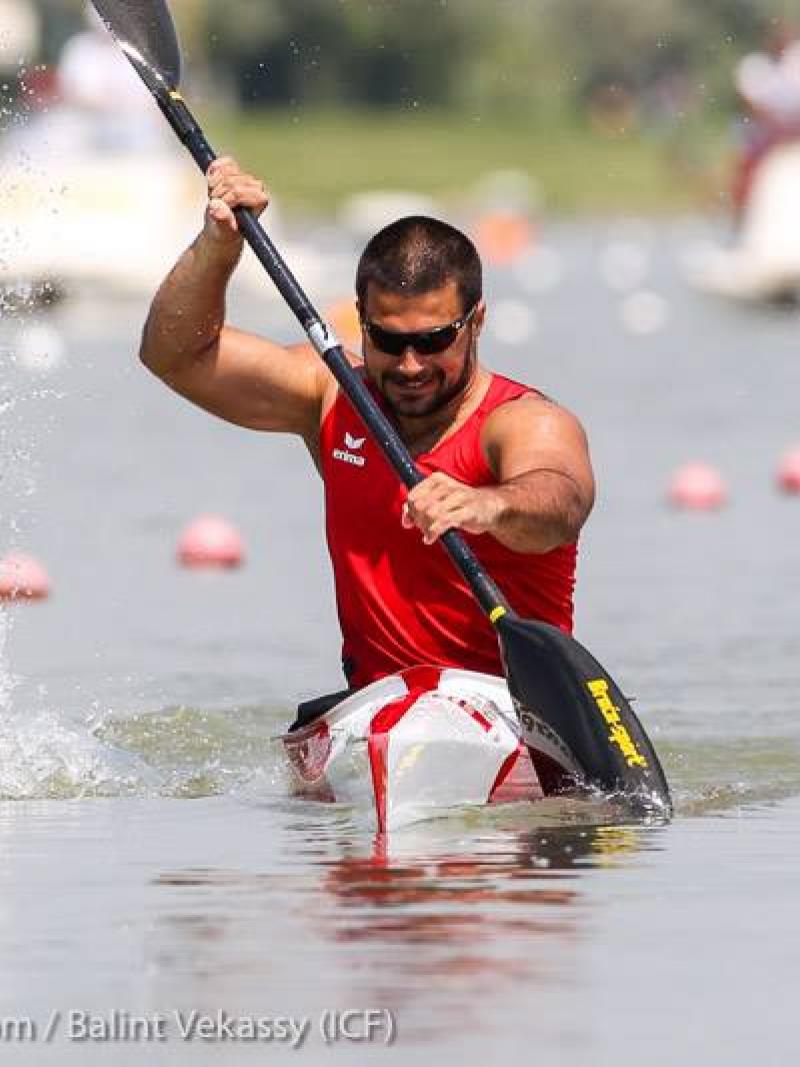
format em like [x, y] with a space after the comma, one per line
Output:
[768, 84]
[96, 80]
[19, 34]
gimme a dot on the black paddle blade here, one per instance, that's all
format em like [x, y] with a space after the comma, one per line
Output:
[575, 721]
[145, 32]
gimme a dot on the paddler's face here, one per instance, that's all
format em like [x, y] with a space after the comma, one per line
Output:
[416, 385]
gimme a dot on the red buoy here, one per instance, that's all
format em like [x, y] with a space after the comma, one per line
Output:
[697, 487]
[210, 541]
[23, 578]
[789, 471]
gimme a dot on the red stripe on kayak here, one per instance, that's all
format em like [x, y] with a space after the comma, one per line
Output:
[508, 766]
[391, 714]
[516, 779]
[378, 748]
[476, 715]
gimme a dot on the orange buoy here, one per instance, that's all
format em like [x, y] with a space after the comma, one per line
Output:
[23, 578]
[503, 237]
[789, 472]
[210, 541]
[697, 487]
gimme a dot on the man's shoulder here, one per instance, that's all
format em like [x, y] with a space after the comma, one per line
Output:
[514, 399]
[533, 411]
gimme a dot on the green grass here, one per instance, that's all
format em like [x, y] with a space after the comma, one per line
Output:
[313, 160]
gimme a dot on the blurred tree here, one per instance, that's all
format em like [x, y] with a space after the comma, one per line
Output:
[381, 54]
[536, 56]
[396, 52]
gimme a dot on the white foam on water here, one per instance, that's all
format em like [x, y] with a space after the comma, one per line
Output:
[45, 756]
[49, 754]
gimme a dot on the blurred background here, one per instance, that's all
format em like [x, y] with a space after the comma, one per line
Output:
[631, 173]
[580, 107]
[607, 105]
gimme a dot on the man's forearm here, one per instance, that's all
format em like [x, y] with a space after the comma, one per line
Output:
[188, 311]
[534, 512]
[537, 512]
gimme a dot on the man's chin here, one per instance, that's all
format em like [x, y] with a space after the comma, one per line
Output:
[410, 401]
[414, 407]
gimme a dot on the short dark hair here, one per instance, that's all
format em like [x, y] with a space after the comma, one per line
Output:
[417, 254]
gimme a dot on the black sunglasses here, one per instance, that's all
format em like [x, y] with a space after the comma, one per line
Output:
[424, 342]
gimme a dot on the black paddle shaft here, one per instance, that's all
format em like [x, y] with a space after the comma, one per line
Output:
[324, 341]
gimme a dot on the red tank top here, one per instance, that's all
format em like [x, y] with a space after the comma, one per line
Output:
[401, 602]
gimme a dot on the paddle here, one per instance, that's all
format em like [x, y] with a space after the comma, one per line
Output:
[578, 726]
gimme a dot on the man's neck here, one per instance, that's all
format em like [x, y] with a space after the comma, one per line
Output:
[424, 433]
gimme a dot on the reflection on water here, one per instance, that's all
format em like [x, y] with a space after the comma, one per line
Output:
[425, 928]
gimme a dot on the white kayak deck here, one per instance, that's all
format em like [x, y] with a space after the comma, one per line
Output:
[414, 744]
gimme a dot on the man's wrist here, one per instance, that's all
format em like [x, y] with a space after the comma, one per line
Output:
[218, 255]
[497, 507]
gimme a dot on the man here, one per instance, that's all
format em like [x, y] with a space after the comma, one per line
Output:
[505, 465]
[768, 84]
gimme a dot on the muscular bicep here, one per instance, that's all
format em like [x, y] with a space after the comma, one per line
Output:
[534, 436]
[255, 383]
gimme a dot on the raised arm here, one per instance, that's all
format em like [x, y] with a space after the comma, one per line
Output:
[545, 486]
[238, 376]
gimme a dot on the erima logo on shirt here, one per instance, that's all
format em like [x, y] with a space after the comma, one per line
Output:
[354, 443]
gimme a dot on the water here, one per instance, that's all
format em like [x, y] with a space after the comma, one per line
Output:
[153, 861]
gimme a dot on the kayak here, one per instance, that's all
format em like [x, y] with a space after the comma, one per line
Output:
[413, 745]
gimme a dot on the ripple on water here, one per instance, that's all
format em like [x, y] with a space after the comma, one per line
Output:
[721, 775]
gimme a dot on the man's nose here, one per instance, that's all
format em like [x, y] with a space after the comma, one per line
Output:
[410, 361]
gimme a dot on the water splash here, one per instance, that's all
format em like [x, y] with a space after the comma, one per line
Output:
[45, 756]
[176, 752]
